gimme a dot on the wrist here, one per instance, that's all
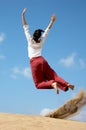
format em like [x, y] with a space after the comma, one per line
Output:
[22, 14]
[52, 21]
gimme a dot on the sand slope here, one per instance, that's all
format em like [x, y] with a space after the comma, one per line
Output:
[28, 122]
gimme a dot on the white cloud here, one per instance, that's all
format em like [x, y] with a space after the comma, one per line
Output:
[45, 111]
[82, 63]
[73, 60]
[13, 76]
[2, 37]
[68, 61]
[2, 57]
[26, 72]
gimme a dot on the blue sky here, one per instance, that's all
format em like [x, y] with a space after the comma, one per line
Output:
[64, 49]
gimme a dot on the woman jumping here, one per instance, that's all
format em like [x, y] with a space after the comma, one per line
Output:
[43, 75]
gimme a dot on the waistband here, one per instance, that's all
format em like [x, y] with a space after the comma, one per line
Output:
[34, 58]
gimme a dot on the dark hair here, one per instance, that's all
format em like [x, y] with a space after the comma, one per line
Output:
[37, 34]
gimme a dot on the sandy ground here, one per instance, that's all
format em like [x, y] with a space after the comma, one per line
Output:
[28, 122]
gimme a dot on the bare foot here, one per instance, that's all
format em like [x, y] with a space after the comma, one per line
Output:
[54, 85]
[71, 86]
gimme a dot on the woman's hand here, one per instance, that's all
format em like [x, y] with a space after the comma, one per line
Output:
[23, 17]
[53, 18]
[24, 10]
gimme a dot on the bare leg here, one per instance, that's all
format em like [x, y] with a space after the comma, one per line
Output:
[54, 85]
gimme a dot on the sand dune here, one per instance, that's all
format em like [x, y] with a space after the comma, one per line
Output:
[28, 122]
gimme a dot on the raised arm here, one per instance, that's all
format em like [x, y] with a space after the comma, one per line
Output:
[23, 17]
[53, 18]
[26, 28]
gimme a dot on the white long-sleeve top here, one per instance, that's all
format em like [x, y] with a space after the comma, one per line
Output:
[34, 48]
